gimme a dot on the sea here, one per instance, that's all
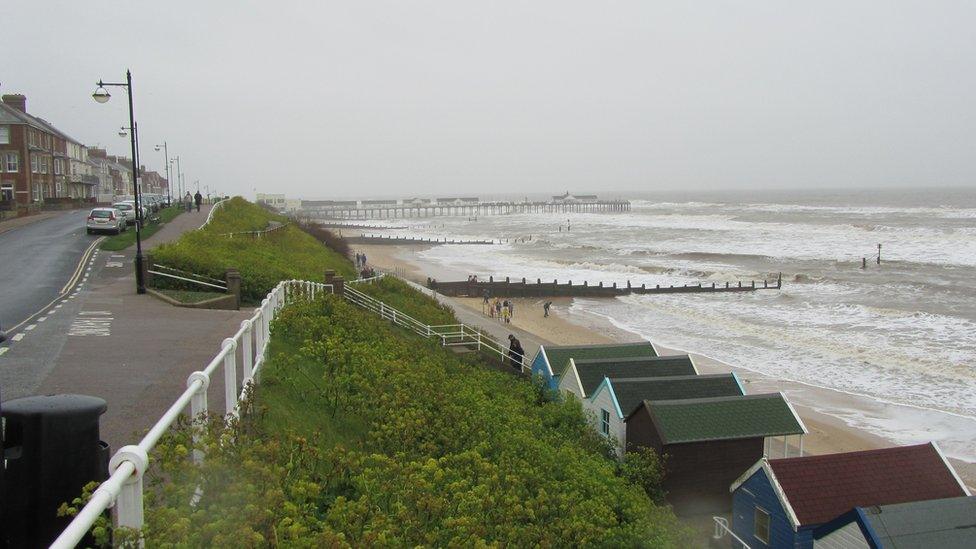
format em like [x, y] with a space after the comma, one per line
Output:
[902, 331]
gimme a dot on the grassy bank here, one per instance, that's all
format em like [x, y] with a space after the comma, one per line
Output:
[263, 262]
[128, 238]
[363, 434]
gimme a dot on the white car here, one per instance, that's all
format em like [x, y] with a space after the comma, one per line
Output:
[105, 219]
[128, 210]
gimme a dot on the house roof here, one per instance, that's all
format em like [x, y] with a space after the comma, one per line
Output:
[632, 391]
[10, 115]
[948, 523]
[820, 488]
[592, 372]
[558, 355]
[724, 418]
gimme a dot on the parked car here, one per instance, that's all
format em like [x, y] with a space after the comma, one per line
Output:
[128, 210]
[105, 219]
[3, 334]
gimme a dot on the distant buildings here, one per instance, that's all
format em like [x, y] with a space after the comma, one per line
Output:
[574, 199]
[41, 164]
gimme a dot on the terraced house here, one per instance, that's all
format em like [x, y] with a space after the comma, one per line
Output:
[36, 158]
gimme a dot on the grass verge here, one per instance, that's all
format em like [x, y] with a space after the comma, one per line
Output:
[128, 238]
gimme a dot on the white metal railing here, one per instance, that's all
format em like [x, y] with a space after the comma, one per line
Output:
[123, 491]
[722, 529]
[210, 215]
[222, 286]
[451, 335]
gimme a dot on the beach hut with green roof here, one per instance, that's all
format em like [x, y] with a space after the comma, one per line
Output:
[615, 397]
[581, 377]
[709, 442]
[551, 360]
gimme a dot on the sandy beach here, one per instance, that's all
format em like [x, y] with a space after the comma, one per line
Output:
[822, 410]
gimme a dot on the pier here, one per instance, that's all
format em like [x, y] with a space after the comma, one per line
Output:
[523, 288]
[468, 207]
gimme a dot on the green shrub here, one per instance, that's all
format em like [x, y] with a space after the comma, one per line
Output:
[285, 254]
[362, 434]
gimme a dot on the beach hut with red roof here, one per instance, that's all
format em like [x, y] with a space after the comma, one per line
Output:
[779, 502]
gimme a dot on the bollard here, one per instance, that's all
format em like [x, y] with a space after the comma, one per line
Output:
[52, 449]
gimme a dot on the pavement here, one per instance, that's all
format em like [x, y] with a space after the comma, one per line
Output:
[102, 339]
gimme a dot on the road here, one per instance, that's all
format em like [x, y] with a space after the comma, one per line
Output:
[37, 261]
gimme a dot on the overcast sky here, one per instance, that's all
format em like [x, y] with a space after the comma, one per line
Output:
[367, 97]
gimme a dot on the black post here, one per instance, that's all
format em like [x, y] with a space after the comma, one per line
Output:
[140, 283]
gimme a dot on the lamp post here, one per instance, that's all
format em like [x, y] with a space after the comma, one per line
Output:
[177, 175]
[169, 193]
[101, 95]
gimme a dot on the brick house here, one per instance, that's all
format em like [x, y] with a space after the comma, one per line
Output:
[35, 164]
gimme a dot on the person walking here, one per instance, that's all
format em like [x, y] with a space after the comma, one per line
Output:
[511, 308]
[198, 198]
[188, 202]
[485, 304]
[545, 308]
[506, 316]
[515, 353]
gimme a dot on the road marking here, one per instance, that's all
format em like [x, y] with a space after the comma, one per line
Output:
[114, 264]
[59, 305]
[42, 319]
[3, 350]
[18, 337]
[71, 282]
[97, 323]
[30, 327]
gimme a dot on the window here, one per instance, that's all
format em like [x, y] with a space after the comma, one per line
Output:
[45, 165]
[58, 166]
[605, 422]
[762, 526]
[11, 162]
[4, 135]
[35, 165]
[7, 191]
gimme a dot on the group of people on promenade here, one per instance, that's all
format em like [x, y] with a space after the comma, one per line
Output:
[189, 200]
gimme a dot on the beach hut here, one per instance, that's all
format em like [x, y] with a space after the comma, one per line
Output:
[780, 502]
[615, 397]
[550, 361]
[708, 442]
[582, 376]
[944, 523]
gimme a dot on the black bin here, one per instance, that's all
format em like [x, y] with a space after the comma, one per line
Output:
[52, 449]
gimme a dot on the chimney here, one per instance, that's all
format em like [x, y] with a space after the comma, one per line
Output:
[17, 101]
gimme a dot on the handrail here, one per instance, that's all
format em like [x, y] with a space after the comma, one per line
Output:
[122, 491]
[210, 214]
[449, 334]
[167, 275]
[175, 270]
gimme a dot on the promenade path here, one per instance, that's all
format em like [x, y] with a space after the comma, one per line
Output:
[132, 350]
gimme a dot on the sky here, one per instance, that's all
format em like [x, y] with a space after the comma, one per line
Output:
[399, 98]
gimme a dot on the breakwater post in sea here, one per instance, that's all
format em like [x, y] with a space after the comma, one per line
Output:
[507, 288]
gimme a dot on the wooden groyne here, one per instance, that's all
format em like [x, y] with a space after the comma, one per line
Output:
[398, 240]
[333, 225]
[523, 288]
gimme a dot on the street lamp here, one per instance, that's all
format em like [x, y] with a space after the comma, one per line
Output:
[169, 194]
[101, 95]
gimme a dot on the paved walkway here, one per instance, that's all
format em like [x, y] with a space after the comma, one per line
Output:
[107, 341]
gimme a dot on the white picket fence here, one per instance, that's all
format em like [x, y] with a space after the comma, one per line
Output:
[123, 491]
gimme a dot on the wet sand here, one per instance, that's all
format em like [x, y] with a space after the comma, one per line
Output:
[822, 410]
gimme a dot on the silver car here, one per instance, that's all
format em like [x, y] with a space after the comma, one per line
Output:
[105, 219]
[128, 210]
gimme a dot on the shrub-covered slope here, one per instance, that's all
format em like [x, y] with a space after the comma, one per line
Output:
[363, 434]
[263, 262]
